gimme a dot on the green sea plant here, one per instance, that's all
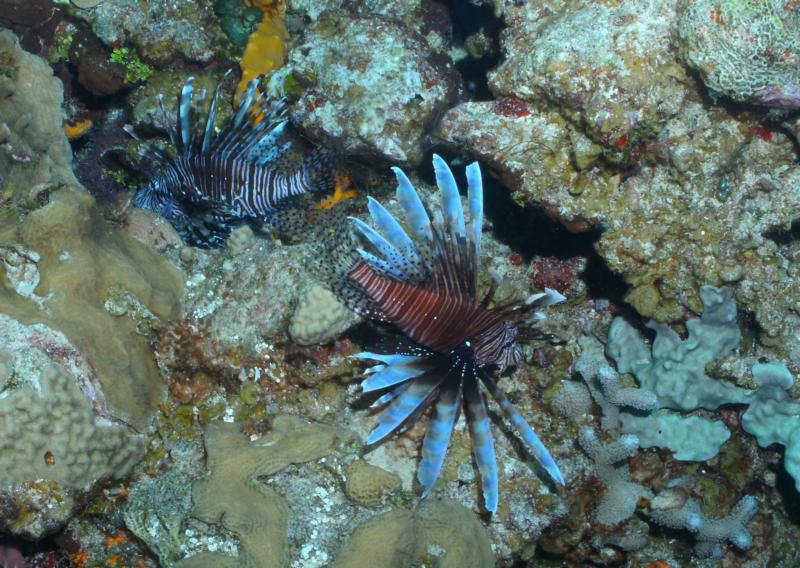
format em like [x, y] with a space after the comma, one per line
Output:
[136, 70]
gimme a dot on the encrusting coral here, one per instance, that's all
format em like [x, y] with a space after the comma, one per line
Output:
[744, 49]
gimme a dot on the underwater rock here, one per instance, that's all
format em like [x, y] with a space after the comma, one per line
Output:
[376, 101]
[320, 317]
[245, 298]
[58, 439]
[440, 533]
[609, 69]
[160, 30]
[157, 507]
[743, 50]
[234, 496]
[35, 156]
[668, 230]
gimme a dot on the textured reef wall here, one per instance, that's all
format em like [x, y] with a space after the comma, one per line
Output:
[163, 405]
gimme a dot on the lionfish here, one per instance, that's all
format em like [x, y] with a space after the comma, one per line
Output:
[217, 181]
[426, 285]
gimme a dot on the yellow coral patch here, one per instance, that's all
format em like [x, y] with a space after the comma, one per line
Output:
[77, 129]
[266, 48]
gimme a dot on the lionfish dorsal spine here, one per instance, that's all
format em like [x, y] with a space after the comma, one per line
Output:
[185, 126]
[208, 133]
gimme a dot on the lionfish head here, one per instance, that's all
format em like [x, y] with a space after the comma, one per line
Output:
[498, 346]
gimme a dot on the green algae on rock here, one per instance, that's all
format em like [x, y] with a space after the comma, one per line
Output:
[185, 28]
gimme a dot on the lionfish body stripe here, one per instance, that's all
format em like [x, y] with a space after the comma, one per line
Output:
[427, 287]
[218, 181]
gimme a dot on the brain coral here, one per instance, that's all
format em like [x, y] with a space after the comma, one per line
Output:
[748, 50]
[367, 484]
[319, 317]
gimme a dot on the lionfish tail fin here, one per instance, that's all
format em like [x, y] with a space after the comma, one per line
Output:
[530, 438]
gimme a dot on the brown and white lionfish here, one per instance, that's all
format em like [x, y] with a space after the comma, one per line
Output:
[217, 181]
[425, 283]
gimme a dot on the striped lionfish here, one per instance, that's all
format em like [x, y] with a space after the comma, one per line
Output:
[218, 181]
[427, 286]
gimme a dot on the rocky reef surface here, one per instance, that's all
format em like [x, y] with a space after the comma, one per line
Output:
[164, 405]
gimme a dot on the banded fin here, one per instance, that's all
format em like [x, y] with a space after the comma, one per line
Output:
[414, 209]
[445, 254]
[530, 438]
[415, 398]
[482, 443]
[475, 203]
[437, 438]
[450, 199]
[203, 224]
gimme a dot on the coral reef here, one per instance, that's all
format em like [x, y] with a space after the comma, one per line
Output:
[367, 484]
[621, 494]
[710, 533]
[686, 193]
[378, 100]
[747, 51]
[441, 533]
[82, 258]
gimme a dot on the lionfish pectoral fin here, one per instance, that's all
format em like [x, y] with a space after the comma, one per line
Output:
[437, 438]
[404, 406]
[545, 299]
[482, 443]
[391, 375]
[532, 441]
[475, 204]
[207, 224]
